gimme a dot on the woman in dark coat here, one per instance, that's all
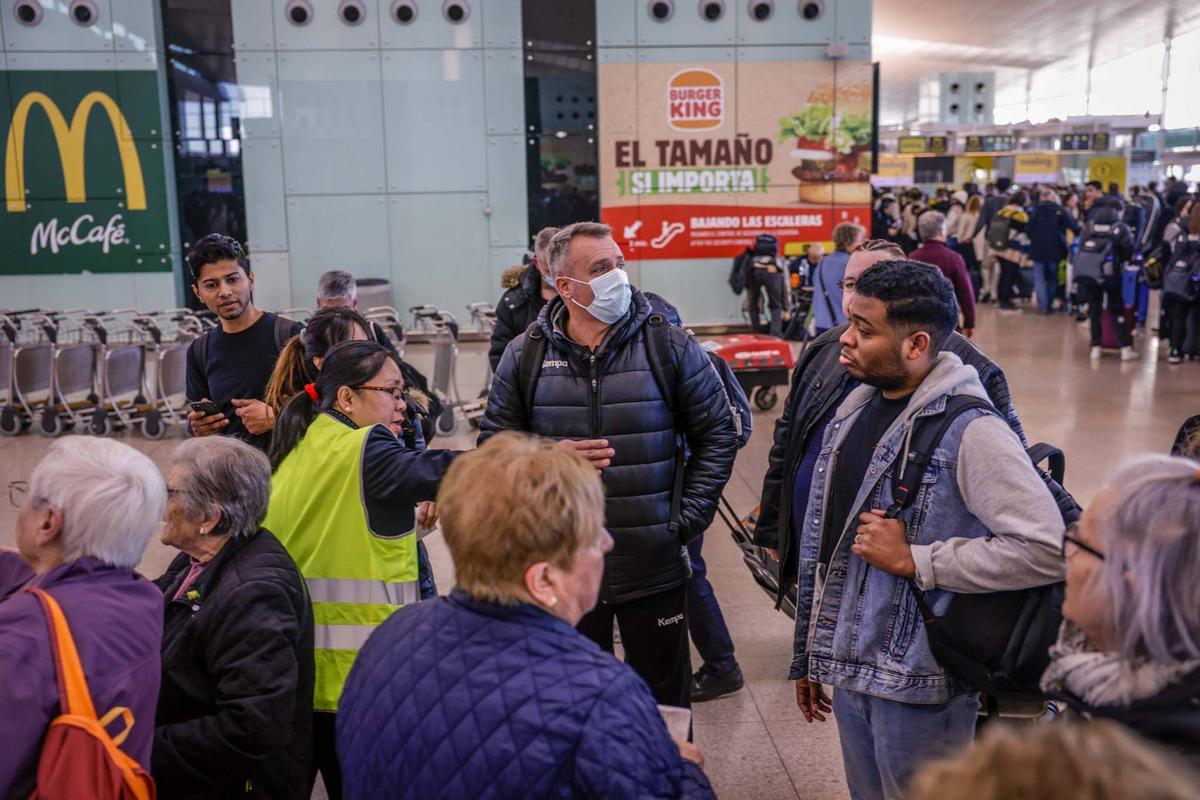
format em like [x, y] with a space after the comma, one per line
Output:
[235, 709]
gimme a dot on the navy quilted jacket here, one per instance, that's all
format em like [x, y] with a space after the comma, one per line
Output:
[456, 698]
[612, 395]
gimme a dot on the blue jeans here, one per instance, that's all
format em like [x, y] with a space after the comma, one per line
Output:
[706, 624]
[1045, 282]
[885, 743]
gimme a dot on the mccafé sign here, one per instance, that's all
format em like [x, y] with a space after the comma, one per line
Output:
[82, 191]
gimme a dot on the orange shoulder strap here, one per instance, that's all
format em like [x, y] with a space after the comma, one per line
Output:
[72, 686]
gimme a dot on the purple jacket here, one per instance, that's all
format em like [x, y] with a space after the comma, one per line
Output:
[116, 619]
[953, 267]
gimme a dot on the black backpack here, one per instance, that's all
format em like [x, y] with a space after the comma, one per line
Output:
[662, 367]
[740, 271]
[1181, 278]
[1096, 260]
[998, 232]
[996, 642]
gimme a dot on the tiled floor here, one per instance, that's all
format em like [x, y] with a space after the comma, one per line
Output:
[756, 744]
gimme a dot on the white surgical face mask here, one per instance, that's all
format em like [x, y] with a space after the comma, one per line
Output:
[612, 296]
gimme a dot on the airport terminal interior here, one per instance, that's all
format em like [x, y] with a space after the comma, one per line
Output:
[1034, 166]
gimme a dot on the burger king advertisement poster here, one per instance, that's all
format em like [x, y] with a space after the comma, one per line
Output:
[709, 155]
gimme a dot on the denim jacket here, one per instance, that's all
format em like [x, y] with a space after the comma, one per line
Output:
[858, 627]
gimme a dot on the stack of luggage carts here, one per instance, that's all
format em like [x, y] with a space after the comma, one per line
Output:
[94, 371]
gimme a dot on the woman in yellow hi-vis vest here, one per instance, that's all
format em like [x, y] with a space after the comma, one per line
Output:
[342, 503]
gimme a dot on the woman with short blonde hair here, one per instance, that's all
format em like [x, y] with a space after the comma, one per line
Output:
[1097, 760]
[523, 502]
[491, 690]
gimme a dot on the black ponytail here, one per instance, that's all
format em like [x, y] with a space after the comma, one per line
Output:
[295, 367]
[347, 364]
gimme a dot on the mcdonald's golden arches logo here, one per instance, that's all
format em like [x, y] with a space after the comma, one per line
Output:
[71, 138]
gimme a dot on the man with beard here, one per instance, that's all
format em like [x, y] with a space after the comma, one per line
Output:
[982, 521]
[228, 368]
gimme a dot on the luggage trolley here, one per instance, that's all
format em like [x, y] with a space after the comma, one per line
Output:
[167, 337]
[73, 354]
[484, 317]
[443, 328]
[28, 354]
[389, 320]
[122, 387]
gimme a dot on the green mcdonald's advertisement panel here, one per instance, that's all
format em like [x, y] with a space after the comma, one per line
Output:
[84, 182]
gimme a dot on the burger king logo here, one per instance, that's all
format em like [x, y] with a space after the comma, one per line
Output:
[695, 100]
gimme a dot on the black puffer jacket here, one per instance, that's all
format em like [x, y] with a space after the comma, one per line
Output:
[613, 395]
[234, 713]
[518, 307]
[1170, 718]
[818, 382]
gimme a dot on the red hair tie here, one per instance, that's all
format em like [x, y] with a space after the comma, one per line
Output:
[311, 389]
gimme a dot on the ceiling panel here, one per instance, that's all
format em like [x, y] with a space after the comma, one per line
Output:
[914, 38]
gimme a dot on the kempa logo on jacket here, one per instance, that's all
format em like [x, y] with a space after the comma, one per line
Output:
[662, 623]
[551, 363]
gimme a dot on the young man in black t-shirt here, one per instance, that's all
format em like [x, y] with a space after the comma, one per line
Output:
[230, 365]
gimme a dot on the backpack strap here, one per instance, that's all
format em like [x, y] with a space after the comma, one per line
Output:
[662, 366]
[73, 693]
[1054, 458]
[825, 292]
[283, 332]
[661, 357]
[202, 351]
[907, 474]
[529, 369]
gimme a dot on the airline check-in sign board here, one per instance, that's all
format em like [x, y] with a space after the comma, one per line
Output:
[696, 159]
[84, 181]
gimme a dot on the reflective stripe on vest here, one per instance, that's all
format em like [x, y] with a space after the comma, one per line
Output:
[342, 637]
[355, 578]
[346, 590]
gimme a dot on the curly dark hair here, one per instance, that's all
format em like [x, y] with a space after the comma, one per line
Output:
[213, 248]
[917, 295]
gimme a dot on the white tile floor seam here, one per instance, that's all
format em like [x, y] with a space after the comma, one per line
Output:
[756, 742]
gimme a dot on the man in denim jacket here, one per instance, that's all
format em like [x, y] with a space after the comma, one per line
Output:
[982, 521]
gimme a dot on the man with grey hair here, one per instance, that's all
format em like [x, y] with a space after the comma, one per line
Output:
[86, 514]
[608, 376]
[933, 250]
[521, 304]
[235, 708]
[337, 288]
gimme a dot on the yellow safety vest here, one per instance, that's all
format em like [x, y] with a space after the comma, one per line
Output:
[355, 578]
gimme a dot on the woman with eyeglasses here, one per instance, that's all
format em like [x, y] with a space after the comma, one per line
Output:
[299, 364]
[342, 503]
[1129, 648]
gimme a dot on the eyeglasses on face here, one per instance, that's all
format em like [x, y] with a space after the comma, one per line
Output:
[397, 392]
[1071, 539]
[17, 491]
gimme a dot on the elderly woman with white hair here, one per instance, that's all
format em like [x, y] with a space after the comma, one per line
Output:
[235, 711]
[86, 514]
[1129, 649]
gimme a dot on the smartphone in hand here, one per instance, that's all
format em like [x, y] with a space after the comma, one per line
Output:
[206, 407]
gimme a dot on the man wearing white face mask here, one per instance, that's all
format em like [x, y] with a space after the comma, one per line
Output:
[603, 372]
